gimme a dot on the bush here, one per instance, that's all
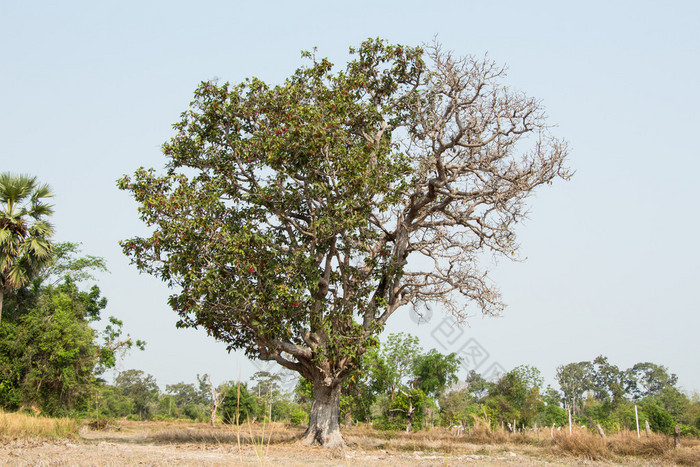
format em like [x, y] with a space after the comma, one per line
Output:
[659, 420]
[298, 416]
[687, 430]
[552, 414]
[239, 405]
[389, 424]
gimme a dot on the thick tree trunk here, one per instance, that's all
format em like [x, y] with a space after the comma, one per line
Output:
[324, 419]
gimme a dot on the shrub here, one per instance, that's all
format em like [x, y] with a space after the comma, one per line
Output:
[238, 404]
[659, 419]
[298, 416]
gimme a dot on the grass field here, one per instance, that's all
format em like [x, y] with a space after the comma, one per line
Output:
[29, 440]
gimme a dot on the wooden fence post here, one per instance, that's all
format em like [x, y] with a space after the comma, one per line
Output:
[600, 430]
[677, 436]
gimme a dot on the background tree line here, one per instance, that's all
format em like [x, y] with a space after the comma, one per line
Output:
[403, 387]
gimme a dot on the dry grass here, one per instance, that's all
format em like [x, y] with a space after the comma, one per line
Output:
[258, 442]
[246, 434]
[580, 444]
[588, 445]
[19, 425]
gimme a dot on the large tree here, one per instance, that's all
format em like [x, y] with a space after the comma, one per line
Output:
[293, 220]
[25, 246]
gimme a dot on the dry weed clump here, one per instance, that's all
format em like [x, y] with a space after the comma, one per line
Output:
[683, 456]
[18, 425]
[581, 444]
[481, 433]
[589, 445]
[627, 444]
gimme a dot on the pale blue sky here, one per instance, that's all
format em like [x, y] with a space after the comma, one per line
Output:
[89, 91]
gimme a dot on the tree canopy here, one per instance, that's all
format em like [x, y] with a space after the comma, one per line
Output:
[25, 245]
[293, 220]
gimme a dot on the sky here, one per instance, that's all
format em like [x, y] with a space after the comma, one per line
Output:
[89, 91]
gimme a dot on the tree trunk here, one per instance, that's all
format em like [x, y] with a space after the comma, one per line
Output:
[1, 295]
[212, 418]
[324, 419]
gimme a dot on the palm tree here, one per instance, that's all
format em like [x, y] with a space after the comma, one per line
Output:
[25, 246]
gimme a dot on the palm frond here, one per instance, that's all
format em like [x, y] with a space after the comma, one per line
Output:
[25, 246]
[41, 229]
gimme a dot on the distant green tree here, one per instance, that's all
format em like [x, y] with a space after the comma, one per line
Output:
[25, 245]
[141, 388]
[608, 382]
[517, 396]
[398, 355]
[648, 379]
[239, 404]
[187, 400]
[112, 403]
[477, 386]
[574, 380]
[459, 407]
[434, 371]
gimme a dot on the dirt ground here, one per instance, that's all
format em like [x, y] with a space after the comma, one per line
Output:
[168, 444]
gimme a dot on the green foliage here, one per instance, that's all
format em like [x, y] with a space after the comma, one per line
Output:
[239, 405]
[398, 359]
[608, 382]
[659, 419]
[298, 416]
[187, 400]
[25, 245]
[625, 417]
[516, 395]
[552, 414]
[434, 371]
[477, 387]
[408, 406]
[459, 408]
[112, 403]
[141, 389]
[648, 380]
[574, 380]
[66, 263]
[48, 356]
